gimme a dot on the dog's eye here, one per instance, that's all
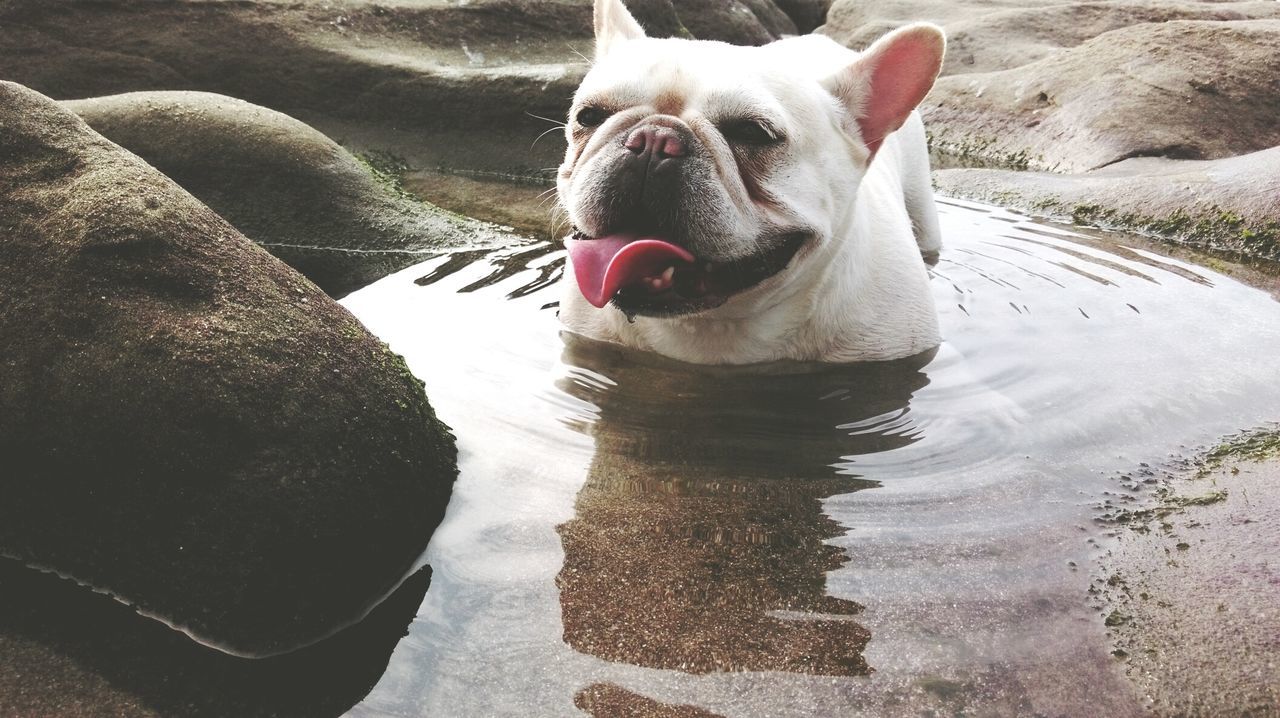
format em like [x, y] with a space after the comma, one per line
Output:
[749, 132]
[592, 116]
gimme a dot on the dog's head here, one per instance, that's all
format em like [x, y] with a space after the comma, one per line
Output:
[697, 171]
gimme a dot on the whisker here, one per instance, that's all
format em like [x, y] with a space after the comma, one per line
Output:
[559, 221]
[549, 199]
[558, 123]
[544, 134]
[574, 50]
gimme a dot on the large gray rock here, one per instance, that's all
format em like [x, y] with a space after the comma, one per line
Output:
[1230, 204]
[427, 64]
[1124, 93]
[284, 185]
[477, 73]
[483, 67]
[742, 22]
[1183, 90]
[186, 422]
[807, 15]
[1075, 86]
[990, 35]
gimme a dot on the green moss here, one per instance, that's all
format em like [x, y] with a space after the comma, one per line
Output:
[1213, 228]
[397, 363]
[1166, 504]
[1017, 160]
[1256, 445]
[1092, 214]
[387, 169]
[1046, 204]
[983, 152]
[1006, 198]
[1208, 499]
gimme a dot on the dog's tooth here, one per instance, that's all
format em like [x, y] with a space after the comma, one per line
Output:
[669, 273]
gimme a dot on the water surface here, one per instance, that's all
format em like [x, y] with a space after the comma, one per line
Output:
[630, 532]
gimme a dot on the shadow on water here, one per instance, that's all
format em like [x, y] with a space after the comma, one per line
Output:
[699, 541]
[64, 645]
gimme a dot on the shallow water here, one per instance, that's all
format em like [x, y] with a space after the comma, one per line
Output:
[795, 541]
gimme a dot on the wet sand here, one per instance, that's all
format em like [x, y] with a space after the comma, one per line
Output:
[1190, 585]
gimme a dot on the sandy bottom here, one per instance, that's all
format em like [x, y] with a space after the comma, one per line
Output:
[1191, 590]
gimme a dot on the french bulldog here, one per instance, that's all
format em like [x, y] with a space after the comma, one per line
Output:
[735, 205]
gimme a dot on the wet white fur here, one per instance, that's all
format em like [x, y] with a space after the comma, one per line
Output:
[858, 293]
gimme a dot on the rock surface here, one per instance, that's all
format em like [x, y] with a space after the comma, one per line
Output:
[1181, 90]
[1189, 586]
[1159, 117]
[69, 653]
[185, 422]
[1230, 204]
[807, 15]
[483, 70]
[990, 35]
[742, 22]
[1075, 86]
[430, 64]
[283, 184]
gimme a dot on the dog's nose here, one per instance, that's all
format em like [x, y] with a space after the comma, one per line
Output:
[657, 141]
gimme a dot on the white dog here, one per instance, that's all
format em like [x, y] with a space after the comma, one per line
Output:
[747, 204]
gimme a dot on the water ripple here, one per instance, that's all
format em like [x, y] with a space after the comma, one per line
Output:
[755, 541]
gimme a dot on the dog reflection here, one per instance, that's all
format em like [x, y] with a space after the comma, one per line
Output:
[699, 541]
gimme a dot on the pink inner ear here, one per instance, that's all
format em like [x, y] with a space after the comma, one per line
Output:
[903, 67]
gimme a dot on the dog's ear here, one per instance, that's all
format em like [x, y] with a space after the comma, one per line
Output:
[613, 25]
[887, 81]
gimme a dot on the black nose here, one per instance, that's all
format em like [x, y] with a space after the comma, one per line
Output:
[653, 154]
[656, 141]
[650, 169]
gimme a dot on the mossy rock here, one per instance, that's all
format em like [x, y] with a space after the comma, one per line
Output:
[1227, 205]
[340, 221]
[186, 422]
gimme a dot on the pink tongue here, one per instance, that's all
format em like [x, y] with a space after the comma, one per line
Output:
[605, 265]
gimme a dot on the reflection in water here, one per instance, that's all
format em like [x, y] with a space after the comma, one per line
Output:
[630, 536]
[90, 655]
[699, 542]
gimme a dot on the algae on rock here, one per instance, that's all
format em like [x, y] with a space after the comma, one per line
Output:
[186, 422]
